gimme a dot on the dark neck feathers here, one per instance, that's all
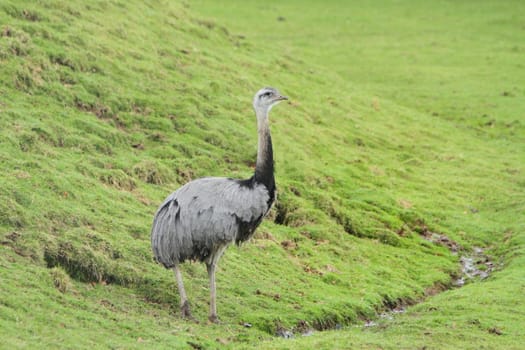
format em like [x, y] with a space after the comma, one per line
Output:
[264, 169]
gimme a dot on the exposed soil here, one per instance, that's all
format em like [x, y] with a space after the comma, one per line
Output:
[475, 265]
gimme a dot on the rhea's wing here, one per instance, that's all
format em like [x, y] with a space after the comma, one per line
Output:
[217, 206]
[203, 214]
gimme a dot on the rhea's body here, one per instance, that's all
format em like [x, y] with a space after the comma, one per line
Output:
[206, 214]
[203, 217]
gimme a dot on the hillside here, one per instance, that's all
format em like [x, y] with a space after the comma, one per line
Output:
[398, 130]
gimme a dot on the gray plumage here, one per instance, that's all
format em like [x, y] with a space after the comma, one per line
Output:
[203, 217]
[205, 214]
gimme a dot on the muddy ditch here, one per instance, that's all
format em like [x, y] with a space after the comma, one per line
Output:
[475, 266]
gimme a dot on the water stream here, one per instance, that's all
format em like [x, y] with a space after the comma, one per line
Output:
[475, 265]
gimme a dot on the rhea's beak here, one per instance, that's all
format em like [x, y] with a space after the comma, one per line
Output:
[281, 98]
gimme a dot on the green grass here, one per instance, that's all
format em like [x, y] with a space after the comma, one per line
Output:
[402, 118]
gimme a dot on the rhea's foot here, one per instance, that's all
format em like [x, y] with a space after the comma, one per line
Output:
[185, 311]
[214, 319]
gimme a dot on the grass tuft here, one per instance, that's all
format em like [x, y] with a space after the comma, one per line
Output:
[60, 279]
[153, 173]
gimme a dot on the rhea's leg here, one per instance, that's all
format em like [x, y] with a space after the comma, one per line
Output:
[211, 266]
[184, 304]
[213, 306]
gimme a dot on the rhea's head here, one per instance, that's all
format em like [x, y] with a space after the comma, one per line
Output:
[266, 98]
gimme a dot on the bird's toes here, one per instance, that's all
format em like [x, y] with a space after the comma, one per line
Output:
[214, 319]
[185, 311]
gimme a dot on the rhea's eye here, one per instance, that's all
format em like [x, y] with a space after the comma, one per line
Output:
[266, 94]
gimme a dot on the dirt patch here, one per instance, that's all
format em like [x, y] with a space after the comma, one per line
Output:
[439, 239]
[98, 109]
[302, 328]
[11, 238]
[474, 265]
[386, 315]
[288, 245]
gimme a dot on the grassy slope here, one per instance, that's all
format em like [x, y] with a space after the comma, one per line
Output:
[108, 107]
[451, 64]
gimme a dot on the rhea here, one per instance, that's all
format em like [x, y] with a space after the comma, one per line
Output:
[202, 218]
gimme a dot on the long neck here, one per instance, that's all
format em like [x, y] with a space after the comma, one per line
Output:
[264, 165]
